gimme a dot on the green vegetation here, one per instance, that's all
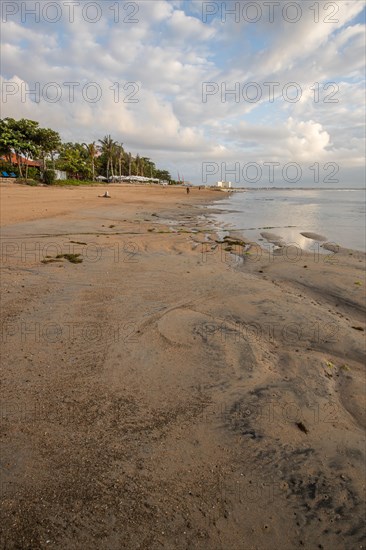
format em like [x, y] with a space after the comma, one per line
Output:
[49, 176]
[75, 183]
[24, 141]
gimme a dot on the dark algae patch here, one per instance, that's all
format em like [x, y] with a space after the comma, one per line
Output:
[72, 258]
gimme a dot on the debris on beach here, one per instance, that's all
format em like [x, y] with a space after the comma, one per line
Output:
[344, 367]
[302, 427]
[331, 365]
[105, 196]
[72, 258]
[231, 241]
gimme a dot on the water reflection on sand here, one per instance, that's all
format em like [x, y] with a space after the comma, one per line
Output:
[335, 214]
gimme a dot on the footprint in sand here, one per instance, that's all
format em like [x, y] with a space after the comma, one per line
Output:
[180, 326]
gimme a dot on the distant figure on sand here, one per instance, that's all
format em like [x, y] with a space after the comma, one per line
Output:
[187, 190]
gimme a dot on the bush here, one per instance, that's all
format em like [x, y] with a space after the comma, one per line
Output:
[49, 177]
[33, 173]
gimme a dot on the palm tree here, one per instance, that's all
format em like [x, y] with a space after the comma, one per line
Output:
[92, 150]
[137, 162]
[120, 155]
[108, 148]
[149, 166]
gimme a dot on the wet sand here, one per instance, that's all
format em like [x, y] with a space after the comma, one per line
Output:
[313, 236]
[174, 389]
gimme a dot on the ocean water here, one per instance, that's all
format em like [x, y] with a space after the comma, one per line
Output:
[337, 214]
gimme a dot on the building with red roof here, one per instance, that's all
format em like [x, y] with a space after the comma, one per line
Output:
[23, 161]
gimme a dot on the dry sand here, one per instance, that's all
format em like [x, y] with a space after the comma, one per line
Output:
[172, 392]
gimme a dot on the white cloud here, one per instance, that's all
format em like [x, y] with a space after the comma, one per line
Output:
[308, 140]
[184, 27]
[169, 53]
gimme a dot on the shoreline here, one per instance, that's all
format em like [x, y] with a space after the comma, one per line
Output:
[237, 216]
[187, 395]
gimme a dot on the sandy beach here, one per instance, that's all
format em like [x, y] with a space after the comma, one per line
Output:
[166, 388]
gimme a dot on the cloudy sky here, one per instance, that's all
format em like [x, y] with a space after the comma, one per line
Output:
[210, 90]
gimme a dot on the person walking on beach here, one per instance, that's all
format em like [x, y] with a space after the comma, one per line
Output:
[187, 190]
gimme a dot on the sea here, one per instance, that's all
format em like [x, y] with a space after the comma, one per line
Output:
[336, 214]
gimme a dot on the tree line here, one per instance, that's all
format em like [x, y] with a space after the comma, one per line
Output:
[83, 161]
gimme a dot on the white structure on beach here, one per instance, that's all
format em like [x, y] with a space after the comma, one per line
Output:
[225, 184]
[60, 175]
[136, 179]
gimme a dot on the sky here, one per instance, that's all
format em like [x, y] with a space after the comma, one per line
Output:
[260, 93]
